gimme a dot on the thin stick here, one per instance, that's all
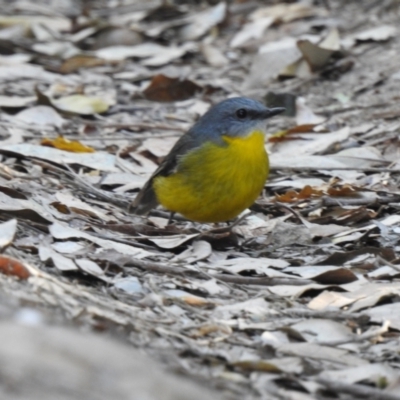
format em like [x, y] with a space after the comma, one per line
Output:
[242, 280]
[363, 169]
[332, 201]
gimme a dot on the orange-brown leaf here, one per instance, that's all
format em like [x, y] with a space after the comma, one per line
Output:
[13, 267]
[342, 191]
[68, 145]
[306, 193]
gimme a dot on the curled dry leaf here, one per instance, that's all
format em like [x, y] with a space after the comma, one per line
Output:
[202, 22]
[305, 193]
[76, 104]
[318, 55]
[305, 115]
[170, 242]
[378, 34]
[200, 250]
[91, 268]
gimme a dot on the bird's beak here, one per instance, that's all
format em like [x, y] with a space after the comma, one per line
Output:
[270, 112]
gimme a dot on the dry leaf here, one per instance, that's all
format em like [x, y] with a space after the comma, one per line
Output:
[170, 242]
[378, 34]
[81, 104]
[68, 145]
[287, 12]
[252, 30]
[213, 55]
[164, 88]
[100, 160]
[7, 233]
[306, 193]
[194, 301]
[304, 114]
[59, 231]
[203, 21]
[15, 101]
[130, 285]
[13, 267]
[61, 262]
[80, 207]
[154, 54]
[80, 61]
[277, 55]
[91, 268]
[318, 55]
[40, 115]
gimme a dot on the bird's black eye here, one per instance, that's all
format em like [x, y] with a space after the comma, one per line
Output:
[241, 113]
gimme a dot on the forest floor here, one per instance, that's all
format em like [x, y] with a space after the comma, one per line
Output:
[299, 300]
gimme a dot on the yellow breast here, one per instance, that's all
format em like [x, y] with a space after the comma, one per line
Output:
[216, 183]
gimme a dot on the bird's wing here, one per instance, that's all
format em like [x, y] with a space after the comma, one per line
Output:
[146, 198]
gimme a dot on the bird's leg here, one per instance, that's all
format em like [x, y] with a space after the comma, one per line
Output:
[229, 226]
[171, 215]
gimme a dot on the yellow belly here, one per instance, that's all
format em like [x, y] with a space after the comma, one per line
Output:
[216, 183]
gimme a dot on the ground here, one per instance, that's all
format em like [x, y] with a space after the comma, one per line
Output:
[299, 298]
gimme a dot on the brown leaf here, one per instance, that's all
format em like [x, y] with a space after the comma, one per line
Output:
[13, 267]
[80, 61]
[345, 190]
[257, 365]
[338, 276]
[164, 88]
[305, 193]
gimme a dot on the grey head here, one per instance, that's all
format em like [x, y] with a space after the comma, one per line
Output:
[233, 117]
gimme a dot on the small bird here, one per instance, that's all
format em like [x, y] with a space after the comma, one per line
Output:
[217, 169]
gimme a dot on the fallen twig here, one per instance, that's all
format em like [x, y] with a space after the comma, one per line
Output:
[241, 280]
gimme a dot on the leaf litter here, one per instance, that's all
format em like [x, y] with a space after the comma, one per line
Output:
[300, 299]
